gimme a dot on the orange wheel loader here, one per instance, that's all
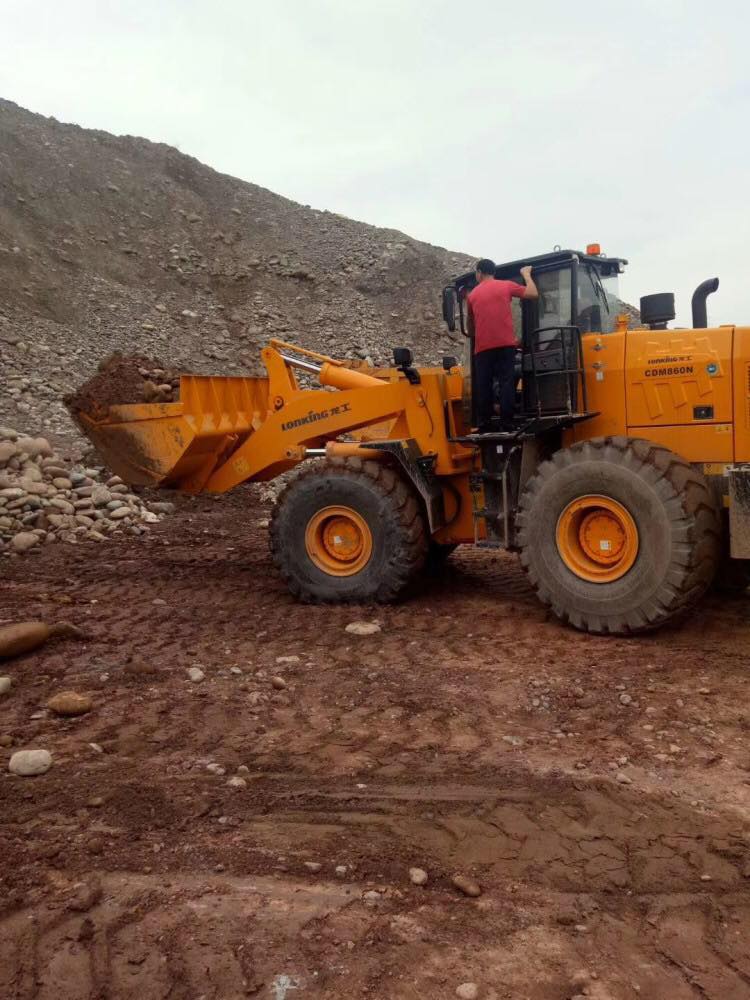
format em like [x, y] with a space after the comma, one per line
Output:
[624, 483]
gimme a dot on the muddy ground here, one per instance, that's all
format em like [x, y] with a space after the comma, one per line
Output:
[597, 789]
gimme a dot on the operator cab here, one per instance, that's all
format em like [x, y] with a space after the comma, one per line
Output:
[577, 295]
[575, 289]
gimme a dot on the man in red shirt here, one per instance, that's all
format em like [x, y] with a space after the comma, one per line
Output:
[495, 343]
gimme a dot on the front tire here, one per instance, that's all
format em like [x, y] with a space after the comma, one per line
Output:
[348, 530]
[618, 535]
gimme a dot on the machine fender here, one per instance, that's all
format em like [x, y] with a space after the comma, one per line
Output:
[418, 469]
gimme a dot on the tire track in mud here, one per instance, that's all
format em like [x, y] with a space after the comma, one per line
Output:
[550, 833]
[223, 936]
[544, 833]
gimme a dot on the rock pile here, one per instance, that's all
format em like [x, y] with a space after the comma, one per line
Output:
[42, 500]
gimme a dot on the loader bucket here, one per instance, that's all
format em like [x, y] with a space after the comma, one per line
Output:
[178, 444]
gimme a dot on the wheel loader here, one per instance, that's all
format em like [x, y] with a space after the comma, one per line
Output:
[623, 483]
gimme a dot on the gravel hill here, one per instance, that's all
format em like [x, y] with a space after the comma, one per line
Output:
[117, 243]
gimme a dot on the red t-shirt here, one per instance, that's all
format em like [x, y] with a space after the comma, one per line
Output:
[489, 305]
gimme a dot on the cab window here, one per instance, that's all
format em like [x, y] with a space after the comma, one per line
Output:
[594, 309]
[555, 300]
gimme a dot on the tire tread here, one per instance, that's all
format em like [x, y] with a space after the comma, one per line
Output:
[695, 523]
[403, 507]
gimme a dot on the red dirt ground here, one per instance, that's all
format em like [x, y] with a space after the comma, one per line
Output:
[473, 734]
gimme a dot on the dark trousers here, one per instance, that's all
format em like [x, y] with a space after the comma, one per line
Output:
[496, 363]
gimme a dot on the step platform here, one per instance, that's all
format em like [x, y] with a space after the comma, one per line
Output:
[524, 429]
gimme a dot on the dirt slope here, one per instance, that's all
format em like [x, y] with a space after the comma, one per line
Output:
[116, 243]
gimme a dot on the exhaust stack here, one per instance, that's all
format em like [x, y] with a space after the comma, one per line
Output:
[701, 293]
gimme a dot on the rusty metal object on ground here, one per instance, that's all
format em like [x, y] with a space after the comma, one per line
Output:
[23, 637]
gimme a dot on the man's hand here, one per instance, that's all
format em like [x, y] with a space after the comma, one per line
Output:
[531, 291]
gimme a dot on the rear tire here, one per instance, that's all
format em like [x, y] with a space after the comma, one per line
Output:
[380, 501]
[675, 517]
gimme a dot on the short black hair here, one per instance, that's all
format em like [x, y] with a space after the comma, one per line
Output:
[486, 266]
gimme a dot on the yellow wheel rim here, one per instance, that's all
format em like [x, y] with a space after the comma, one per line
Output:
[597, 539]
[339, 541]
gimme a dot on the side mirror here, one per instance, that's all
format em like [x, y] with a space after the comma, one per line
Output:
[449, 307]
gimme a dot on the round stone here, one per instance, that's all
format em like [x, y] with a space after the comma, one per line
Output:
[70, 703]
[7, 451]
[28, 763]
[468, 886]
[120, 513]
[363, 628]
[24, 541]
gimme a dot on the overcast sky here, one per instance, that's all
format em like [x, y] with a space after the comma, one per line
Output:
[493, 128]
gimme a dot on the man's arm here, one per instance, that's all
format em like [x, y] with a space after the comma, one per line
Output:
[531, 291]
[469, 320]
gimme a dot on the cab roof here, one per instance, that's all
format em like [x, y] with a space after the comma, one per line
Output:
[607, 266]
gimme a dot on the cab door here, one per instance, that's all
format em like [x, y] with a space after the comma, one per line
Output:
[554, 307]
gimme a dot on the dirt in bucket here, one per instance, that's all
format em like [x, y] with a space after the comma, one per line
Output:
[122, 379]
